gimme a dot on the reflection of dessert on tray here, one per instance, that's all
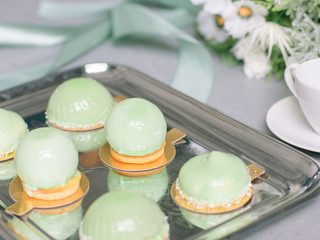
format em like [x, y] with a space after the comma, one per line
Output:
[88, 143]
[124, 215]
[60, 224]
[138, 142]
[153, 186]
[12, 130]
[46, 161]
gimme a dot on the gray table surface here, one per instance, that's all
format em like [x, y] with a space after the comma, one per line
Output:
[233, 94]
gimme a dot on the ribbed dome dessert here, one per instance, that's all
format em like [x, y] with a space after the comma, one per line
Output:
[46, 158]
[136, 127]
[124, 215]
[79, 104]
[214, 179]
[12, 129]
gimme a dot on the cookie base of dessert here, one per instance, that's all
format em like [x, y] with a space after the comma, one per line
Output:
[77, 129]
[138, 159]
[184, 203]
[138, 170]
[24, 203]
[55, 193]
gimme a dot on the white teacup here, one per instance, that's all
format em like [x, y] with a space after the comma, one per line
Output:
[304, 82]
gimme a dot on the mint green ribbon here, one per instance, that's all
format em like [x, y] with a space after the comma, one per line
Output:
[194, 74]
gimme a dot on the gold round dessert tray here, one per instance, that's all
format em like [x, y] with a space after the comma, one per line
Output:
[24, 203]
[135, 170]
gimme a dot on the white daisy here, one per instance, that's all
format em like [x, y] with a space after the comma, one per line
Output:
[211, 26]
[248, 13]
[223, 8]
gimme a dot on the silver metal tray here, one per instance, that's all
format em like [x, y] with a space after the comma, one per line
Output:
[292, 176]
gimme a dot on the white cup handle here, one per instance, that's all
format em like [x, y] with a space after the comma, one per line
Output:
[289, 78]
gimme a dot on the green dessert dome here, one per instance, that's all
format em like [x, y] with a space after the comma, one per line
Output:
[46, 158]
[12, 129]
[79, 103]
[124, 215]
[214, 179]
[136, 127]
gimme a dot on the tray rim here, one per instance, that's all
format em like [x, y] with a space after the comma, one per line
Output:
[15, 103]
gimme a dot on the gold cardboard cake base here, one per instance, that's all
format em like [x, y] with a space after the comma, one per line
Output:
[8, 157]
[138, 170]
[24, 203]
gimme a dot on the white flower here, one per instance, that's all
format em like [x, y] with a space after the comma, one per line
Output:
[224, 8]
[208, 27]
[256, 65]
[248, 13]
[264, 36]
[270, 34]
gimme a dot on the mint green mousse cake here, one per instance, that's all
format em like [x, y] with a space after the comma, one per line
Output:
[12, 130]
[46, 158]
[136, 127]
[213, 179]
[124, 215]
[79, 104]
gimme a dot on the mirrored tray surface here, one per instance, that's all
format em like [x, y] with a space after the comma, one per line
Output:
[292, 176]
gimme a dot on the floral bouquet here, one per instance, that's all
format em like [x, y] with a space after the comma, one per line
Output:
[264, 35]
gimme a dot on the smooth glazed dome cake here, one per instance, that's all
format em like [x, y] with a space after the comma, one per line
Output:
[12, 129]
[45, 159]
[214, 179]
[124, 215]
[79, 104]
[136, 127]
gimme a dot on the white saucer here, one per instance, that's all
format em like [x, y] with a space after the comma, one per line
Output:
[286, 120]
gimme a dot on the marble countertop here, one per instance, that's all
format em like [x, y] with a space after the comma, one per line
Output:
[233, 94]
